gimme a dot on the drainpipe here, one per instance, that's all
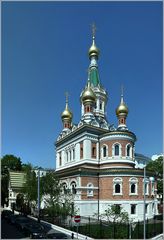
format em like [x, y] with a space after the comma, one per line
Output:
[98, 175]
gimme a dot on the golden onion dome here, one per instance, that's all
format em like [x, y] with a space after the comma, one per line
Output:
[93, 51]
[122, 108]
[66, 114]
[88, 95]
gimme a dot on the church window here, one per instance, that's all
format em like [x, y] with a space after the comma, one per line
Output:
[73, 187]
[93, 152]
[116, 150]
[153, 208]
[67, 156]
[100, 106]
[70, 155]
[133, 208]
[104, 151]
[128, 150]
[73, 154]
[146, 208]
[117, 208]
[90, 190]
[65, 188]
[133, 186]
[146, 186]
[117, 186]
[60, 160]
[81, 150]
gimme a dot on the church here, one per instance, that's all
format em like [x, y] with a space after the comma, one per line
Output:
[96, 160]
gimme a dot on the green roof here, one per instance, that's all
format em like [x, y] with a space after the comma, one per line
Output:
[94, 77]
[17, 179]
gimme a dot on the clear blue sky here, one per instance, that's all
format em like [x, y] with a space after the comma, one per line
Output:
[44, 54]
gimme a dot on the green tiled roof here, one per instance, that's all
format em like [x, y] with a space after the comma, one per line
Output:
[17, 179]
[94, 77]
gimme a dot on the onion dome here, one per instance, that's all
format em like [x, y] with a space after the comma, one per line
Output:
[66, 114]
[93, 51]
[122, 109]
[88, 96]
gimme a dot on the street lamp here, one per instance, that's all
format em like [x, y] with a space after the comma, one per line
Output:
[38, 195]
[144, 203]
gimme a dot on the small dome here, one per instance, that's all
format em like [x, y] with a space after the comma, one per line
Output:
[88, 95]
[66, 114]
[93, 51]
[122, 108]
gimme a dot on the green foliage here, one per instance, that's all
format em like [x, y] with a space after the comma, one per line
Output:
[115, 213]
[57, 202]
[19, 200]
[30, 186]
[8, 162]
[11, 162]
[156, 167]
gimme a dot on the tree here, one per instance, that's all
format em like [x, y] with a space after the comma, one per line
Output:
[30, 186]
[11, 162]
[19, 201]
[116, 214]
[8, 162]
[156, 167]
[57, 203]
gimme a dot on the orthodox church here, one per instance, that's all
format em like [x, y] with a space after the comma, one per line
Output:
[96, 161]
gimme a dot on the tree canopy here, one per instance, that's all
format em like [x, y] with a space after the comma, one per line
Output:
[11, 162]
[115, 213]
[8, 162]
[156, 167]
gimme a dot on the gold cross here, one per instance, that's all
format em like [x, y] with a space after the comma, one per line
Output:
[93, 29]
[122, 90]
[67, 95]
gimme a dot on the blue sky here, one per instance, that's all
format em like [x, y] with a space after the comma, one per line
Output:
[44, 54]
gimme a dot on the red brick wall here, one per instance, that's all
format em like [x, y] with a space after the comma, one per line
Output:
[110, 143]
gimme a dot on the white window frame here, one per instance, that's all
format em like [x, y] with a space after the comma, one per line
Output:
[146, 186]
[90, 187]
[102, 151]
[130, 150]
[117, 180]
[133, 180]
[133, 214]
[113, 149]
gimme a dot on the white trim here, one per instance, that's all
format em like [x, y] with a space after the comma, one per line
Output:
[117, 136]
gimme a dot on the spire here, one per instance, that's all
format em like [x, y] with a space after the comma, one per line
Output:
[93, 55]
[66, 114]
[122, 111]
[93, 51]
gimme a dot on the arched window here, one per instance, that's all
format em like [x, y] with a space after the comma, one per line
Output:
[116, 150]
[146, 186]
[100, 105]
[65, 188]
[104, 151]
[117, 186]
[73, 187]
[90, 190]
[133, 186]
[73, 153]
[128, 150]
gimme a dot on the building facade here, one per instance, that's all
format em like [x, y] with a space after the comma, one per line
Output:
[96, 160]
